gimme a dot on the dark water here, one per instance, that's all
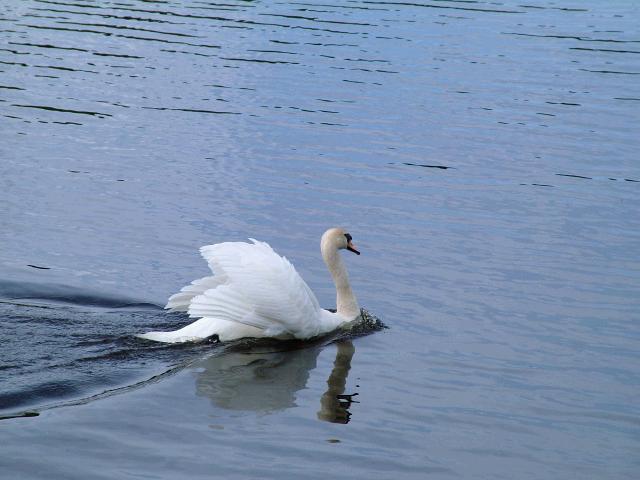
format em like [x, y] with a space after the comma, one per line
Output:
[484, 155]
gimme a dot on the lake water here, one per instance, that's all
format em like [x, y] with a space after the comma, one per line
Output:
[484, 156]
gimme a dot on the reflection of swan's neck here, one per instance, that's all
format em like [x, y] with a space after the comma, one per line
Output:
[346, 303]
[331, 408]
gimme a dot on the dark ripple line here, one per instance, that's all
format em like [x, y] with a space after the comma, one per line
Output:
[192, 110]
[273, 51]
[187, 53]
[335, 101]
[571, 37]
[366, 60]
[66, 69]
[48, 66]
[237, 9]
[81, 5]
[316, 19]
[113, 104]
[117, 17]
[7, 87]
[48, 17]
[64, 110]
[46, 45]
[603, 50]
[122, 27]
[338, 6]
[565, 103]
[564, 9]
[73, 49]
[573, 176]
[440, 167]
[14, 63]
[108, 34]
[614, 72]
[255, 60]
[447, 7]
[318, 44]
[244, 4]
[115, 55]
[300, 27]
[224, 19]
[15, 52]
[225, 86]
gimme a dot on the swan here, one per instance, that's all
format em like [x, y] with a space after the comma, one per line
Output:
[255, 292]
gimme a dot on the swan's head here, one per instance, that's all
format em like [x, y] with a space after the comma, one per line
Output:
[337, 239]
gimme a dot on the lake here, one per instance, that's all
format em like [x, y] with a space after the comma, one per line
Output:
[483, 155]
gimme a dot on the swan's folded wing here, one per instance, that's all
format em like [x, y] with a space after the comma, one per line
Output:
[263, 290]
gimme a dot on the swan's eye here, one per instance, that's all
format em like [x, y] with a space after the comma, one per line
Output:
[349, 237]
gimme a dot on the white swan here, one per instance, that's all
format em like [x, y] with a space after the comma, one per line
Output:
[257, 293]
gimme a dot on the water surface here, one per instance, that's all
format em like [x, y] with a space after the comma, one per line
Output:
[482, 154]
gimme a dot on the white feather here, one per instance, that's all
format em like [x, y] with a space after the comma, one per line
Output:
[255, 292]
[179, 302]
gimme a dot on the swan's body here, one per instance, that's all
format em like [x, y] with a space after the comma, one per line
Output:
[257, 293]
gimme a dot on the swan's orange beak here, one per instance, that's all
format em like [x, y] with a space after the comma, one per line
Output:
[352, 248]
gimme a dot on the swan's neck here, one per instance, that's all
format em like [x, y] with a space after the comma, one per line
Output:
[346, 303]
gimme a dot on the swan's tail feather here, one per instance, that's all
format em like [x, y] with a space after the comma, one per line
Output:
[164, 337]
[179, 302]
[206, 328]
[196, 331]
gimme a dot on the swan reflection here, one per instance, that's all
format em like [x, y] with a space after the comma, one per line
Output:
[334, 404]
[267, 381]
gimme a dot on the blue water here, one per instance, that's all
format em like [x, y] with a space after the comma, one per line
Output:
[482, 154]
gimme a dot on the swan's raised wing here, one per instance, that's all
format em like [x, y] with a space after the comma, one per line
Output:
[179, 302]
[261, 289]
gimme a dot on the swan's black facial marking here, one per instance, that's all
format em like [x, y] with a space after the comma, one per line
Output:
[350, 246]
